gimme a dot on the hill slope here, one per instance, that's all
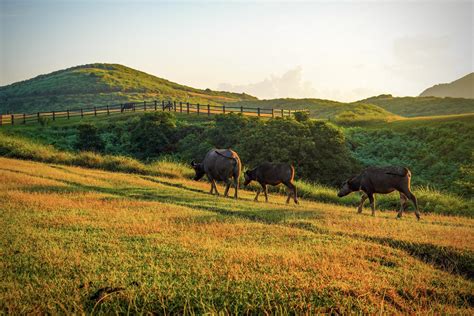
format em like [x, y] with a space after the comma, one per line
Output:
[82, 241]
[99, 84]
[461, 88]
[336, 111]
[422, 106]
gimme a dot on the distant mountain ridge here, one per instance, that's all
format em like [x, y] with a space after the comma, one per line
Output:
[461, 88]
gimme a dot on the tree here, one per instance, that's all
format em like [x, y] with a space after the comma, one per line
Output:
[152, 135]
[88, 138]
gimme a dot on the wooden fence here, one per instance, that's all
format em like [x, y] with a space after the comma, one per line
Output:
[172, 106]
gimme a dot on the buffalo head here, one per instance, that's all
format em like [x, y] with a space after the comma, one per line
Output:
[199, 169]
[250, 175]
[349, 186]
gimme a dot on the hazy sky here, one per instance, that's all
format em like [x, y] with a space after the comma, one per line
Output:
[341, 50]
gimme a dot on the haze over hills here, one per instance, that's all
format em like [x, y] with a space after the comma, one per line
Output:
[461, 88]
[101, 84]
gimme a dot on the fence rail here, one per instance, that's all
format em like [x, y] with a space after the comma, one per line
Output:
[155, 105]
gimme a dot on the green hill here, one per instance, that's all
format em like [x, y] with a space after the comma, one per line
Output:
[422, 106]
[461, 88]
[344, 113]
[100, 84]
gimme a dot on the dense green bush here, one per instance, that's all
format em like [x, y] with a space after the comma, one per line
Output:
[439, 157]
[88, 138]
[153, 135]
[316, 149]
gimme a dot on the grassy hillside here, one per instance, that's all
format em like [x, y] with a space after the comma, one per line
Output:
[341, 113]
[429, 200]
[86, 241]
[461, 88]
[422, 106]
[99, 84]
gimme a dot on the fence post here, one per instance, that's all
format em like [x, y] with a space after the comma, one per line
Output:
[54, 116]
[108, 111]
[95, 111]
[170, 105]
[133, 104]
[24, 118]
[82, 113]
[258, 111]
[163, 105]
[223, 109]
[144, 106]
[208, 110]
[282, 114]
[180, 107]
[13, 119]
[174, 105]
[155, 105]
[187, 107]
[241, 109]
[273, 113]
[198, 108]
[38, 115]
[289, 112]
[1, 120]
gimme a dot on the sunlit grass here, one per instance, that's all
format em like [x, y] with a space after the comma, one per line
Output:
[171, 247]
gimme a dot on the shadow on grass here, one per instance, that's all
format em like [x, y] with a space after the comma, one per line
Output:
[453, 261]
[458, 262]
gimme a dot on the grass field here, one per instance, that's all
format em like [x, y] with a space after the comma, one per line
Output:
[90, 241]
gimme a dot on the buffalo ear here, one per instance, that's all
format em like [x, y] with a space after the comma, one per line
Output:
[193, 163]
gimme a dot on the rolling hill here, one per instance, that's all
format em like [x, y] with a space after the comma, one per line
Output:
[422, 106]
[461, 88]
[339, 112]
[100, 84]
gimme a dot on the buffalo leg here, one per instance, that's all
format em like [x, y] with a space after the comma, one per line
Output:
[213, 186]
[227, 186]
[412, 197]
[291, 191]
[372, 202]
[265, 191]
[403, 204]
[361, 204]
[236, 186]
[256, 196]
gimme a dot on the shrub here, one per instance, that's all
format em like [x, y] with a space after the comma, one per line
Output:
[88, 138]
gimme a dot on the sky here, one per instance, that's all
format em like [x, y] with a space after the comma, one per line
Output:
[339, 50]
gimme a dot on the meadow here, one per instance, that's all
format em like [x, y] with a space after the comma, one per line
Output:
[77, 240]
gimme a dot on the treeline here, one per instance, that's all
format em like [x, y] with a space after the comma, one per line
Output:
[317, 149]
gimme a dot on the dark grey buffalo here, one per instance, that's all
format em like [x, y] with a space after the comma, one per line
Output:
[381, 180]
[219, 165]
[273, 174]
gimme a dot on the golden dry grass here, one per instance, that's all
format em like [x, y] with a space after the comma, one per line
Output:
[172, 248]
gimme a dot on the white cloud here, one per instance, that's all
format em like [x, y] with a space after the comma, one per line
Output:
[288, 85]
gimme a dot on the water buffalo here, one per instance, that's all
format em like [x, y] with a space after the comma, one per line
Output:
[219, 165]
[273, 174]
[126, 106]
[381, 180]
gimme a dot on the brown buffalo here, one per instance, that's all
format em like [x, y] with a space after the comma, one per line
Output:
[273, 174]
[219, 165]
[381, 180]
